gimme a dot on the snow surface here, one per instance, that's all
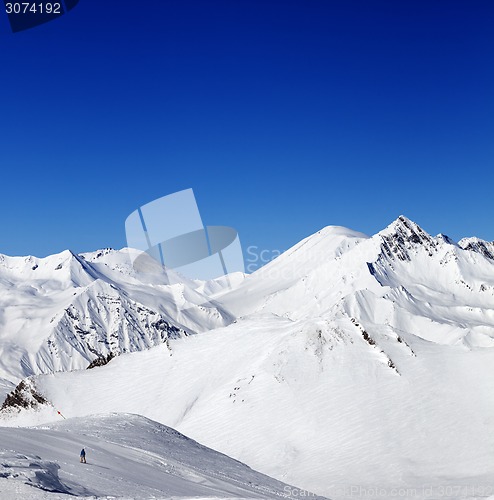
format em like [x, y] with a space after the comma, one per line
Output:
[127, 456]
[353, 362]
[319, 411]
[5, 387]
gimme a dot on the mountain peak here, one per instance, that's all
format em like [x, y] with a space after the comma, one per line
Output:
[403, 234]
[341, 231]
[404, 226]
[477, 245]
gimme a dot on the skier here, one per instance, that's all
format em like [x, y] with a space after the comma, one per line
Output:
[83, 456]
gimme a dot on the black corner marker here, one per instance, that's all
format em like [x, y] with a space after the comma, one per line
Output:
[29, 14]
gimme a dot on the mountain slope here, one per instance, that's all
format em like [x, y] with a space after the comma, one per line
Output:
[128, 456]
[312, 404]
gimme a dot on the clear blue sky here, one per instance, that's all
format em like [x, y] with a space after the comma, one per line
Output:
[283, 116]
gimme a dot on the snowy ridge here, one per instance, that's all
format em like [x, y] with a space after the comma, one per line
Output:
[477, 245]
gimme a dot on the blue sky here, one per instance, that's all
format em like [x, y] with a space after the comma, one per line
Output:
[283, 116]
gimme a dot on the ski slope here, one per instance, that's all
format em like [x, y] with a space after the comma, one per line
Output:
[128, 456]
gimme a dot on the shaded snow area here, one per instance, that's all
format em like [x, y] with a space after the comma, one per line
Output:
[128, 456]
[5, 387]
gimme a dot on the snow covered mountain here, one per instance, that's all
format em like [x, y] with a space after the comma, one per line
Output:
[62, 312]
[401, 278]
[353, 361]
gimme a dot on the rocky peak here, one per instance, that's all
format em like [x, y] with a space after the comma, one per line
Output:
[477, 245]
[401, 236]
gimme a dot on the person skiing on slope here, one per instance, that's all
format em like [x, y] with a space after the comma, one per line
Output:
[83, 456]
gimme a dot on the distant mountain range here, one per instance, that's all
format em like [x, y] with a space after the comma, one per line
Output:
[62, 312]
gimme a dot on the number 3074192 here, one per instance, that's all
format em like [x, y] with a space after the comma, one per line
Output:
[33, 8]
